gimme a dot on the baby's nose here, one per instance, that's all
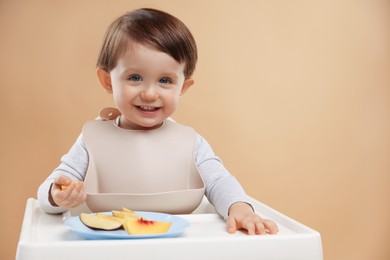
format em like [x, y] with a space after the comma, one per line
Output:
[149, 94]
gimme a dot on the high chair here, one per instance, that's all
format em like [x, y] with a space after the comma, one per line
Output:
[44, 236]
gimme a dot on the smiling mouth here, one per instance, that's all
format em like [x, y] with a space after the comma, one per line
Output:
[147, 109]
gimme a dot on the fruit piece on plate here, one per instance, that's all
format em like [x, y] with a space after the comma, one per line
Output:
[125, 213]
[112, 218]
[95, 222]
[128, 210]
[63, 187]
[143, 226]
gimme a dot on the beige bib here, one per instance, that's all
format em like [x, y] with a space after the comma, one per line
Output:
[152, 170]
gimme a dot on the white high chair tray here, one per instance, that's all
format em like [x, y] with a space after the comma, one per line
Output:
[44, 236]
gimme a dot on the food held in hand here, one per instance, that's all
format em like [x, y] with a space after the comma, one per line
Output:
[63, 187]
[144, 226]
[98, 222]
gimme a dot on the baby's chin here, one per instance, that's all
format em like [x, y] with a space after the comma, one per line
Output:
[149, 127]
[142, 125]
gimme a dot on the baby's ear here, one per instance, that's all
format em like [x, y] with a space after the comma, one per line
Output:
[186, 85]
[105, 79]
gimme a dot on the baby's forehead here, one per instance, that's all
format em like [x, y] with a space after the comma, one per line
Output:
[133, 47]
[141, 58]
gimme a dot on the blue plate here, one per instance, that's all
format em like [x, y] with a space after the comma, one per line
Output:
[177, 227]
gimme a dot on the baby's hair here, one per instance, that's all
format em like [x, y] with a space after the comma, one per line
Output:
[153, 28]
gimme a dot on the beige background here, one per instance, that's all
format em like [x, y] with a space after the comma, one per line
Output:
[294, 96]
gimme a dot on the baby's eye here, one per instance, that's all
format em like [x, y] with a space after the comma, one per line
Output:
[165, 80]
[135, 78]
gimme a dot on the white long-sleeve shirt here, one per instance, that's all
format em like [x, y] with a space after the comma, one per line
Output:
[221, 188]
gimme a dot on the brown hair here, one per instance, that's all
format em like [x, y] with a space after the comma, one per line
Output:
[153, 28]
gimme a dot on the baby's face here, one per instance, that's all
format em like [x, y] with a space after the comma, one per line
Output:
[147, 85]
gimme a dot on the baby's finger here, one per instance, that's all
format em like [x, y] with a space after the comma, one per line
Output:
[250, 226]
[260, 228]
[74, 193]
[231, 225]
[62, 180]
[271, 226]
[61, 197]
[81, 195]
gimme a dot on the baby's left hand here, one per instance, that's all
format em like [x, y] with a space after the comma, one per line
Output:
[241, 216]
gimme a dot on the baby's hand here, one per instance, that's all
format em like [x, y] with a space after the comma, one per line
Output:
[71, 196]
[241, 216]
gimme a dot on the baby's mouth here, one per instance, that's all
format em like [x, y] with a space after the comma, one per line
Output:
[147, 108]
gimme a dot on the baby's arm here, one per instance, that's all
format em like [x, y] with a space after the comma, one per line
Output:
[227, 195]
[73, 168]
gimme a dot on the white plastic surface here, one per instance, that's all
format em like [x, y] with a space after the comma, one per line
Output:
[44, 236]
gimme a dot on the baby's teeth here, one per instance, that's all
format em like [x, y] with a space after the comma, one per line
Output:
[148, 108]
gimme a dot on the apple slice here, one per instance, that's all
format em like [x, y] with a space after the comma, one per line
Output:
[95, 222]
[128, 210]
[143, 226]
[125, 213]
[112, 218]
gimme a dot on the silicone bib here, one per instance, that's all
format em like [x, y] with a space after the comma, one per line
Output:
[148, 170]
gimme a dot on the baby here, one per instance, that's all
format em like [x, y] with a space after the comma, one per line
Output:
[146, 62]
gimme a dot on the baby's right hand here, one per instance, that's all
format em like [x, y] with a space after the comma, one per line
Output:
[73, 196]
